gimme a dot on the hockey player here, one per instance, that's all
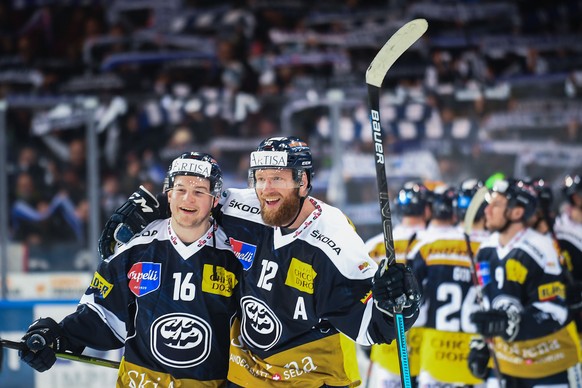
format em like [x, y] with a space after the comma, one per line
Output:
[442, 263]
[413, 203]
[527, 314]
[167, 297]
[568, 232]
[309, 288]
[568, 226]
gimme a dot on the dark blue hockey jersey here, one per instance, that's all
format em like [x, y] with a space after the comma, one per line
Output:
[169, 304]
[305, 298]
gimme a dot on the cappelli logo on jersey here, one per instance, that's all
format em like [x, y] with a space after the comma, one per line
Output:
[244, 252]
[269, 159]
[259, 326]
[144, 278]
[191, 166]
[180, 340]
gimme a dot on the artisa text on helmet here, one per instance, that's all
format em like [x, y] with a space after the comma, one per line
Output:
[191, 166]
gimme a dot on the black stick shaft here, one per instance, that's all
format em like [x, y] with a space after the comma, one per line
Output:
[386, 217]
[67, 356]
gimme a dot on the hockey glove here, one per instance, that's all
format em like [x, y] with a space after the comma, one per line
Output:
[43, 338]
[394, 288]
[478, 358]
[493, 323]
[131, 218]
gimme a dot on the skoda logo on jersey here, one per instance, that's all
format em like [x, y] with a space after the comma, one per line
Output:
[144, 278]
[245, 252]
[180, 340]
[260, 326]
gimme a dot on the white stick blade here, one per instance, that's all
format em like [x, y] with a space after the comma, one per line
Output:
[393, 49]
[473, 208]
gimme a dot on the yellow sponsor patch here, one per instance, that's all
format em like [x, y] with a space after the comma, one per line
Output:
[551, 291]
[515, 271]
[101, 284]
[366, 298]
[300, 276]
[217, 280]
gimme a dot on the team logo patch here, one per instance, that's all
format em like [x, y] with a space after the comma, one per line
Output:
[180, 340]
[259, 326]
[144, 278]
[245, 252]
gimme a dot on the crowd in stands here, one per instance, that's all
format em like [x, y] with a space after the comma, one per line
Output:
[185, 75]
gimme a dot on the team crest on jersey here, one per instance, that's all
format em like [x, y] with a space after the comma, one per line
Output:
[144, 278]
[245, 252]
[180, 340]
[259, 326]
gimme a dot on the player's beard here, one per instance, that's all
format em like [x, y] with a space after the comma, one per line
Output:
[286, 211]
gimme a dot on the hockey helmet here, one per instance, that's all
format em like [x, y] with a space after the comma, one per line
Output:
[444, 201]
[518, 193]
[413, 198]
[287, 152]
[543, 191]
[197, 164]
[465, 193]
[572, 185]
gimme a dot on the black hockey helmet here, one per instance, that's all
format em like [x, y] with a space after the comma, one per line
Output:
[197, 164]
[518, 193]
[444, 201]
[465, 193]
[572, 185]
[543, 191]
[413, 198]
[283, 152]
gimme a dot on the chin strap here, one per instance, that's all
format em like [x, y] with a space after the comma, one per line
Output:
[301, 202]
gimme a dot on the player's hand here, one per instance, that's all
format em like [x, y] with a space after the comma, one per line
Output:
[131, 218]
[494, 323]
[43, 338]
[478, 358]
[396, 288]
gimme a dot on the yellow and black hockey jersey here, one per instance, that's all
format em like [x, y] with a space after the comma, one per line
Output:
[525, 275]
[442, 263]
[299, 292]
[170, 306]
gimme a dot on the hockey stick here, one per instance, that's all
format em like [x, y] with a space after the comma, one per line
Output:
[68, 356]
[388, 54]
[468, 221]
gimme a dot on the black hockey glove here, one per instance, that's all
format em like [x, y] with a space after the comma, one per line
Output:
[478, 358]
[396, 287]
[131, 218]
[493, 323]
[43, 338]
[574, 296]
